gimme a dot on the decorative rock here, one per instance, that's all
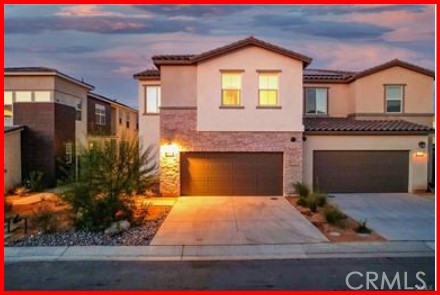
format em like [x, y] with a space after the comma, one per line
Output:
[117, 227]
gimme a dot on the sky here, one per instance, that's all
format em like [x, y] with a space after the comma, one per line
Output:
[106, 44]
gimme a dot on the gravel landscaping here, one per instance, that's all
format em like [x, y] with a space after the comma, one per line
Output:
[135, 236]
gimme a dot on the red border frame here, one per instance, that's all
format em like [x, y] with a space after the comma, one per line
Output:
[208, 2]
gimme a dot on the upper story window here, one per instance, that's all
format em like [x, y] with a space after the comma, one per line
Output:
[79, 111]
[394, 98]
[23, 96]
[7, 100]
[231, 89]
[137, 122]
[99, 114]
[152, 99]
[316, 101]
[120, 117]
[127, 120]
[268, 89]
[42, 96]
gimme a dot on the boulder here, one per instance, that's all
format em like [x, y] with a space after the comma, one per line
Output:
[117, 228]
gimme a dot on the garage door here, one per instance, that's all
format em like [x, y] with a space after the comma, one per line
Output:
[231, 173]
[361, 171]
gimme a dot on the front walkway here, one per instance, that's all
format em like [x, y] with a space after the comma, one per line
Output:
[235, 221]
[395, 216]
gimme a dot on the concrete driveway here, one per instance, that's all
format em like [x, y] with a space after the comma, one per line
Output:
[397, 216]
[235, 221]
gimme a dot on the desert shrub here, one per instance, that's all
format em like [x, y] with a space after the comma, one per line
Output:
[321, 199]
[21, 190]
[36, 181]
[110, 174]
[301, 189]
[362, 228]
[45, 219]
[334, 216]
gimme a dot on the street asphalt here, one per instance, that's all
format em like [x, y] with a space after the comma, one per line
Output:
[280, 274]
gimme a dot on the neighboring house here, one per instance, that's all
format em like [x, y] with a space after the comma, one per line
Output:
[110, 119]
[249, 118]
[12, 157]
[58, 116]
[46, 103]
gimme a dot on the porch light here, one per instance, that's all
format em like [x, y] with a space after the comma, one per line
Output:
[170, 150]
[421, 150]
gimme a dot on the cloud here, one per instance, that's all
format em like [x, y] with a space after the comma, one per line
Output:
[102, 25]
[328, 29]
[93, 10]
[194, 10]
[320, 10]
[51, 49]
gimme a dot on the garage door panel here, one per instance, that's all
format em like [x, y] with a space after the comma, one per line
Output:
[231, 173]
[361, 171]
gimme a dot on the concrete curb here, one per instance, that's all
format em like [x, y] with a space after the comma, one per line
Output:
[221, 252]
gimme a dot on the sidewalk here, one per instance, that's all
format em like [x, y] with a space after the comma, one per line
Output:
[241, 252]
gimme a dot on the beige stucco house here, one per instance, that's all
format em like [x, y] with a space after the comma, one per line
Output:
[251, 118]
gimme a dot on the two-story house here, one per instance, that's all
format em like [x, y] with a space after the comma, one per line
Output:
[57, 115]
[250, 118]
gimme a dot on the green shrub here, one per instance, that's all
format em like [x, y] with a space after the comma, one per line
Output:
[36, 181]
[111, 173]
[321, 199]
[362, 228]
[45, 219]
[334, 216]
[301, 189]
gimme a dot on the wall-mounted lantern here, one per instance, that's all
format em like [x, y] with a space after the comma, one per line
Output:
[421, 151]
[170, 150]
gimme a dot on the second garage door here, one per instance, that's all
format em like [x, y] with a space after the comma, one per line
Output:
[361, 171]
[231, 173]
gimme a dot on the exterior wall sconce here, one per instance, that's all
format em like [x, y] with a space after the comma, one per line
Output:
[170, 150]
[421, 151]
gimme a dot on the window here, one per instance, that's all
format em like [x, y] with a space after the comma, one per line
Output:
[69, 153]
[127, 120]
[99, 114]
[393, 98]
[316, 101]
[23, 96]
[152, 99]
[7, 104]
[231, 89]
[79, 111]
[120, 117]
[268, 89]
[137, 122]
[42, 96]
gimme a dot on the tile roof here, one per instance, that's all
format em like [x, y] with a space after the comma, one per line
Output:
[7, 129]
[393, 63]
[148, 74]
[323, 125]
[326, 76]
[29, 69]
[191, 59]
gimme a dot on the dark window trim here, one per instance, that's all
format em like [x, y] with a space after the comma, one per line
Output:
[402, 108]
[327, 104]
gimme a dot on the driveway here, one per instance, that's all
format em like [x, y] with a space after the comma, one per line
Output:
[235, 221]
[397, 217]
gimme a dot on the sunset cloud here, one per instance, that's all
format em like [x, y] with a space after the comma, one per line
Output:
[106, 44]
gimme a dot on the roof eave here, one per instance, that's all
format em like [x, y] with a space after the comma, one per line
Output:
[378, 132]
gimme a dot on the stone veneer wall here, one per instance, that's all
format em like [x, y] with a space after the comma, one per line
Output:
[179, 126]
